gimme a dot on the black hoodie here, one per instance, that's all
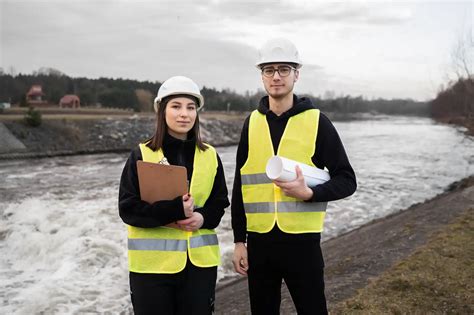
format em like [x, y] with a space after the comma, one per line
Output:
[329, 153]
[136, 212]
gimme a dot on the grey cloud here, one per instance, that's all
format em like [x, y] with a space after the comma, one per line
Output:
[313, 67]
[285, 12]
[213, 63]
[82, 19]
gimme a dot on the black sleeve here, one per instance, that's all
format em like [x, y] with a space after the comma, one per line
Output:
[218, 200]
[136, 212]
[239, 220]
[330, 153]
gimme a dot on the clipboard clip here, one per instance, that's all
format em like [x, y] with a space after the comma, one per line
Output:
[164, 161]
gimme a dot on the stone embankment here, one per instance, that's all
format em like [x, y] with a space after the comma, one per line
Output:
[8, 142]
[56, 137]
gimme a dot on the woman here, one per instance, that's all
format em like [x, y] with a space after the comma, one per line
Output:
[164, 278]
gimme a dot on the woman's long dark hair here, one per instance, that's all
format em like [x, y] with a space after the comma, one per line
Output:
[156, 142]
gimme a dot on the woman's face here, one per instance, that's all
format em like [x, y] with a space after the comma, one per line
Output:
[180, 115]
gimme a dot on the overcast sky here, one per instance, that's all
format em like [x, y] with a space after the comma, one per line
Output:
[385, 49]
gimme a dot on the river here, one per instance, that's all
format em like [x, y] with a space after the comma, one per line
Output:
[64, 247]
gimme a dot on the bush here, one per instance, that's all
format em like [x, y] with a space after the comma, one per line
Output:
[33, 117]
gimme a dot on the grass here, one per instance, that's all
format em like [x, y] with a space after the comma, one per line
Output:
[437, 279]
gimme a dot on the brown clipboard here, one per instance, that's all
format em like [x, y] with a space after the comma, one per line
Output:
[161, 182]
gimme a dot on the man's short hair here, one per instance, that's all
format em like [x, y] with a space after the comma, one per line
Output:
[294, 65]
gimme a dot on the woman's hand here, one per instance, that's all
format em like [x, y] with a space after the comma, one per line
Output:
[188, 205]
[192, 223]
[296, 188]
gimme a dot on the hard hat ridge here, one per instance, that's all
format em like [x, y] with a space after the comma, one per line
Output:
[279, 50]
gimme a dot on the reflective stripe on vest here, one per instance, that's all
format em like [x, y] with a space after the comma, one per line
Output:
[255, 179]
[165, 249]
[289, 206]
[157, 244]
[264, 202]
[203, 240]
[172, 245]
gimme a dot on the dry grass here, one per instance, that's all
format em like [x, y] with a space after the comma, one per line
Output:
[437, 279]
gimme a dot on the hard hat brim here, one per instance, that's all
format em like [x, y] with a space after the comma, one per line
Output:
[199, 97]
[260, 64]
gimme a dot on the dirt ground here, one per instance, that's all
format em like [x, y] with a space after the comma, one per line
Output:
[357, 256]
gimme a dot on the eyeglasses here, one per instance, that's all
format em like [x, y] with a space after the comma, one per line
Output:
[283, 71]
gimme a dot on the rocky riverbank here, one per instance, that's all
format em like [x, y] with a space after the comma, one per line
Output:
[85, 136]
[98, 132]
[466, 122]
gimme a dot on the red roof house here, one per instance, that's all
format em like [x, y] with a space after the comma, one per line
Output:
[34, 97]
[70, 101]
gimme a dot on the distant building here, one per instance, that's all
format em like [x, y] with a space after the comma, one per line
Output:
[70, 101]
[35, 95]
[4, 105]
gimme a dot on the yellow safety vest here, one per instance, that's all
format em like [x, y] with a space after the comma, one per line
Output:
[264, 202]
[165, 249]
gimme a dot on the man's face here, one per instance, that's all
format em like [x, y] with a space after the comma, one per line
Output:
[281, 82]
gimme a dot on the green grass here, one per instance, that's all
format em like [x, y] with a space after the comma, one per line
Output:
[437, 279]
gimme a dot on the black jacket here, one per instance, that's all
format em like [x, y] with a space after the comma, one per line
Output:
[136, 212]
[329, 153]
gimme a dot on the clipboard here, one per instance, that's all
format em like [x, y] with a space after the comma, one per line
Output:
[161, 182]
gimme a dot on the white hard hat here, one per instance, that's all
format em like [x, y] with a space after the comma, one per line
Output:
[279, 50]
[176, 86]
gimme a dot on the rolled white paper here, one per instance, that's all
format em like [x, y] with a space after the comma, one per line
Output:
[280, 168]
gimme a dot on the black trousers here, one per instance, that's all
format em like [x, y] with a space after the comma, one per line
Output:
[191, 291]
[297, 261]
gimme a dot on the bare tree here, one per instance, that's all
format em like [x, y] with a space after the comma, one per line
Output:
[12, 71]
[145, 100]
[462, 56]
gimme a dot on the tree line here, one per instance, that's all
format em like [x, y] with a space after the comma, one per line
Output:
[116, 93]
[455, 101]
[139, 95]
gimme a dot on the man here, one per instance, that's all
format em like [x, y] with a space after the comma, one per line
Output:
[277, 225]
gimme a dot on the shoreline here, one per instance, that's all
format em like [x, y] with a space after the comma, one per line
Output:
[466, 122]
[355, 257]
[66, 137]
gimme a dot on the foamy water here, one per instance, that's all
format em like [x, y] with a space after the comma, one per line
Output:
[64, 247]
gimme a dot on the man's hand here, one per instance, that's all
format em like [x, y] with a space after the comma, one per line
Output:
[241, 264]
[188, 205]
[296, 188]
[192, 223]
